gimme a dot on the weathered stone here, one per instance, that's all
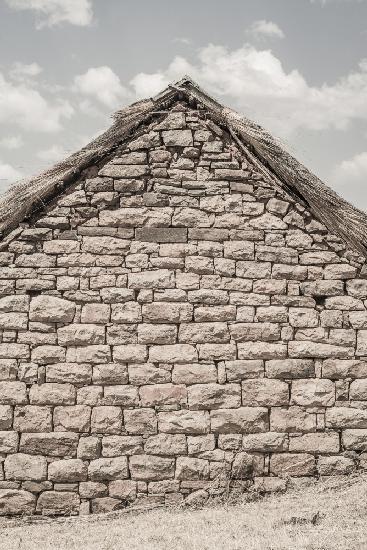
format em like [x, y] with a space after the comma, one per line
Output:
[140, 421]
[315, 443]
[290, 368]
[6, 417]
[106, 419]
[104, 469]
[292, 464]
[110, 374]
[292, 419]
[254, 332]
[313, 393]
[355, 440]
[130, 353]
[51, 444]
[54, 503]
[162, 312]
[151, 468]
[51, 309]
[184, 422]
[72, 419]
[89, 354]
[13, 393]
[52, 394]
[89, 448]
[177, 138]
[16, 503]
[188, 468]
[162, 394]
[194, 373]
[176, 353]
[123, 489]
[241, 420]
[265, 442]
[67, 471]
[161, 234]
[346, 417]
[83, 334]
[315, 349]
[214, 396]
[92, 489]
[166, 445]
[265, 392]
[8, 442]
[117, 445]
[261, 350]
[32, 418]
[157, 334]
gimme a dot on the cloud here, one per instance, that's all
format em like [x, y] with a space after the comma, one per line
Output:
[254, 82]
[349, 177]
[265, 29]
[25, 107]
[182, 40]
[11, 142]
[8, 174]
[21, 71]
[102, 84]
[52, 154]
[54, 12]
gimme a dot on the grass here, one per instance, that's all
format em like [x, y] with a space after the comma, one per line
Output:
[328, 515]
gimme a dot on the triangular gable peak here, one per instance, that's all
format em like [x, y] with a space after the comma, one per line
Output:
[279, 167]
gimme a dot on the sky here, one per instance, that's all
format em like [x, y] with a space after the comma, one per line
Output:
[298, 67]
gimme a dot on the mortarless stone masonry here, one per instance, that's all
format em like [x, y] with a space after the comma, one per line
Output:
[170, 319]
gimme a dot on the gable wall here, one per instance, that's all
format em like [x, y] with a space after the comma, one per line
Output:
[172, 321]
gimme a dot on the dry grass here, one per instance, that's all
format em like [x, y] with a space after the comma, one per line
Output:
[330, 515]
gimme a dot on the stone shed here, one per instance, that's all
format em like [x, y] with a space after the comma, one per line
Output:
[182, 308]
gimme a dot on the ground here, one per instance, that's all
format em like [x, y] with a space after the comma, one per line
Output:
[328, 515]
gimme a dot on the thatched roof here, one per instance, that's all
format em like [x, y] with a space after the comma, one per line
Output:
[339, 216]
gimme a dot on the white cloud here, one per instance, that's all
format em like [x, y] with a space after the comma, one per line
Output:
[265, 29]
[52, 154]
[8, 174]
[21, 71]
[102, 84]
[11, 142]
[350, 178]
[54, 12]
[25, 107]
[254, 82]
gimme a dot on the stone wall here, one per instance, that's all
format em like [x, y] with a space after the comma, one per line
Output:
[172, 321]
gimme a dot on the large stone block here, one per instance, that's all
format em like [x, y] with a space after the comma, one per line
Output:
[6, 417]
[184, 422]
[214, 396]
[106, 419]
[95, 313]
[104, 469]
[161, 234]
[44, 355]
[313, 393]
[355, 440]
[67, 471]
[203, 333]
[242, 369]
[290, 368]
[159, 278]
[303, 317]
[241, 420]
[8, 442]
[175, 353]
[117, 445]
[255, 332]
[58, 503]
[348, 368]
[265, 392]
[346, 417]
[89, 354]
[13, 393]
[296, 465]
[157, 334]
[51, 444]
[32, 418]
[52, 394]
[262, 350]
[166, 445]
[217, 352]
[166, 312]
[177, 138]
[129, 312]
[17, 302]
[122, 396]
[73, 373]
[151, 468]
[50, 309]
[110, 374]
[130, 353]
[81, 334]
[318, 350]
[117, 171]
[265, 442]
[72, 419]
[190, 469]
[194, 373]
[315, 443]
[292, 419]
[16, 503]
[140, 421]
[148, 373]
[14, 351]
[162, 394]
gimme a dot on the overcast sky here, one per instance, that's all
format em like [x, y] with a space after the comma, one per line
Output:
[298, 67]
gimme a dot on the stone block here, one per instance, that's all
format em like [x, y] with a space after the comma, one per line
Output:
[157, 334]
[32, 418]
[346, 417]
[203, 333]
[335, 465]
[265, 442]
[67, 471]
[106, 419]
[191, 469]
[262, 350]
[14, 351]
[183, 422]
[303, 317]
[298, 464]
[318, 350]
[162, 394]
[177, 138]
[6, 417]
[58, 503]
[315, 443]
[89, 354]
[194, 373]
[354, 439]
[51, 444]
[265, 392]
[159, 278]
[166, 445]
[129, 312]
[122, 396]
[13, 393]
[89, 448]
[16, 503]
[105, 469]
[254, 332]
[140, 421]
[217, 352]
[166, 312]
[17, 302]
[48, 354]
[241, 420]
[151, 468]
[131, 353]
[50, 309]
[73, 373]
[123, 489]
[290, 368]
[92, 489]
[52, 394]
[292, 419]
[175, 353]
[214, 396]
[95, 313]
[8, 442]
[81, 334]
[313, 393]
[72, 419]
[110, 374]
[161, 234]
[117, 445]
